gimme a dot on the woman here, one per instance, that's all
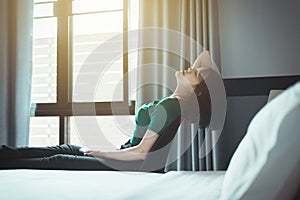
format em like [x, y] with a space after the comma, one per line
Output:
[151, 121]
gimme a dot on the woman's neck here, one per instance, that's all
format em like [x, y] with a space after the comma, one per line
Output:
[189, 106]
[182, 94]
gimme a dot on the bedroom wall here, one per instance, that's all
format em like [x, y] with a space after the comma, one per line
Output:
[259, 51]
[259, 38]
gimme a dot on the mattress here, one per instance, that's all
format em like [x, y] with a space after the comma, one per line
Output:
[60, 184]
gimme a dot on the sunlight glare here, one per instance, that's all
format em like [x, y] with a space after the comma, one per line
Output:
[85, 6]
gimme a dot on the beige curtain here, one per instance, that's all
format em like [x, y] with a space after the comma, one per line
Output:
[180, 31]
[15, 70]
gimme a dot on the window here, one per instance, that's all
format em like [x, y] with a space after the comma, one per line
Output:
[44, 75]
[66, 33]
[44, 131]
[115, 135]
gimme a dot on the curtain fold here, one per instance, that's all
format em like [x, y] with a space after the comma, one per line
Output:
[196, 21]
[16, 19]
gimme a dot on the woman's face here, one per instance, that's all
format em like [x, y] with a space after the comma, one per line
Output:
[187, 80]
[189, 76]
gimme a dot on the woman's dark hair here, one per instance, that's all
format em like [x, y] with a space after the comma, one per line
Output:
[204, 102]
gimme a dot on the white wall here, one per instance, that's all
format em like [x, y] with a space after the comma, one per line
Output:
[259, 38]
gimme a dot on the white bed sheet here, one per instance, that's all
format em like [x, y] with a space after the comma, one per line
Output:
[59, 184]
[183, 185]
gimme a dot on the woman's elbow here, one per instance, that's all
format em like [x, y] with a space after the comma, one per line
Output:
[142, 152]
[144, 156]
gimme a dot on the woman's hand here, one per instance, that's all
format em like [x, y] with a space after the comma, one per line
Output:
[92, 153]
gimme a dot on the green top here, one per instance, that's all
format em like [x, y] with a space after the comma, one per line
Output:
[155, 116]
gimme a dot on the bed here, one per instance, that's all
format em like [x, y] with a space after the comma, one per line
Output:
[58, 184]
[264, 166]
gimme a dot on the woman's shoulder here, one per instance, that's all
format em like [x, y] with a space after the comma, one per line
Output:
[168, 101]
[170, 104]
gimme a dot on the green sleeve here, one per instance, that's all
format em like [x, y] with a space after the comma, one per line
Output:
[155, 116]
[163, 115]
[142, 120]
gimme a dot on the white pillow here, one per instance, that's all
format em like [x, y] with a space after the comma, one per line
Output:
[266, 164]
